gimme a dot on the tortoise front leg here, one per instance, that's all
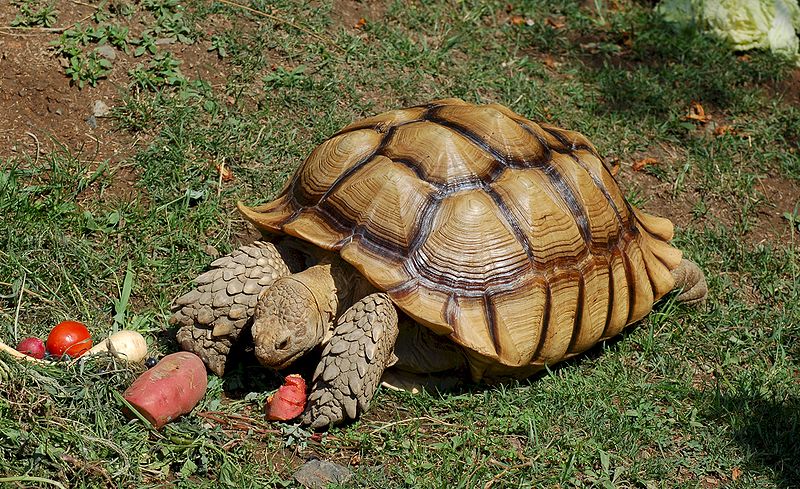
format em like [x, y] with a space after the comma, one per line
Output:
[212, 316]
[353, 362]
[692, 282]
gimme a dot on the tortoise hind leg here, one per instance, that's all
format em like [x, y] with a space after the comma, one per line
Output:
[213, 315]
[692, 282]
[353, 362]
[425, 361]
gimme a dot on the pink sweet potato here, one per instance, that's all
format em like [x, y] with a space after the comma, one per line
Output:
[289, 401]
[172, 388]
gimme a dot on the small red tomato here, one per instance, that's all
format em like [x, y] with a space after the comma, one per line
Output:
[33, 347]
[69, 338]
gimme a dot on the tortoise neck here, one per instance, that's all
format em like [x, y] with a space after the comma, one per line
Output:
[343, 285]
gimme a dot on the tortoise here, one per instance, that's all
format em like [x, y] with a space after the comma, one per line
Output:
[445, 240]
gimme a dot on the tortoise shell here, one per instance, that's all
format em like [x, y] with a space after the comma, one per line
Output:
[510, 237]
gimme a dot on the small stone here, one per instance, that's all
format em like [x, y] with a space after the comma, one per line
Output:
[107, 52]
[319, 474]
[100, 109]
[211, 251]
[163, 41]
[92, 121]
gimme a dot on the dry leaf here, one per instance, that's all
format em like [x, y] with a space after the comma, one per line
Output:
[736, 473]
[697, 113]
[517, 20]
[627, 39]
[360, 24]
[639, 164]
[550, 62]
[225, 172]
[555, 22]
[727, 129]
[721, 130]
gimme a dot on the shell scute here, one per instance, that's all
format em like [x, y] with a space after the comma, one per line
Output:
[494, 132]
[454, 162]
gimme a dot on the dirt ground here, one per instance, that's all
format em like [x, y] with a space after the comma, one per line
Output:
[44, 112]
[41, 111]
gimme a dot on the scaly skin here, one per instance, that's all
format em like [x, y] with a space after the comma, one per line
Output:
[353, 362]
[212, 316]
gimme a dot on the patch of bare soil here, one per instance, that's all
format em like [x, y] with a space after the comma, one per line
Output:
[349, 13]
[788, 89]
[773, 197]
[43, 112]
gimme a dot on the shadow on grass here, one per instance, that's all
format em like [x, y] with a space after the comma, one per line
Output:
[651, 68]
[768, 431]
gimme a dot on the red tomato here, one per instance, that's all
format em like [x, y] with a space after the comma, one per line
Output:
[69, 338]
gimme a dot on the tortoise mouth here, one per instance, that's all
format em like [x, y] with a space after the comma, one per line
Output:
[268, 358]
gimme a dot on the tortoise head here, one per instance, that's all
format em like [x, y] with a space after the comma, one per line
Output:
[289, 319]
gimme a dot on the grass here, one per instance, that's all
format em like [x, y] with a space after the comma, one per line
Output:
[687, 398]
